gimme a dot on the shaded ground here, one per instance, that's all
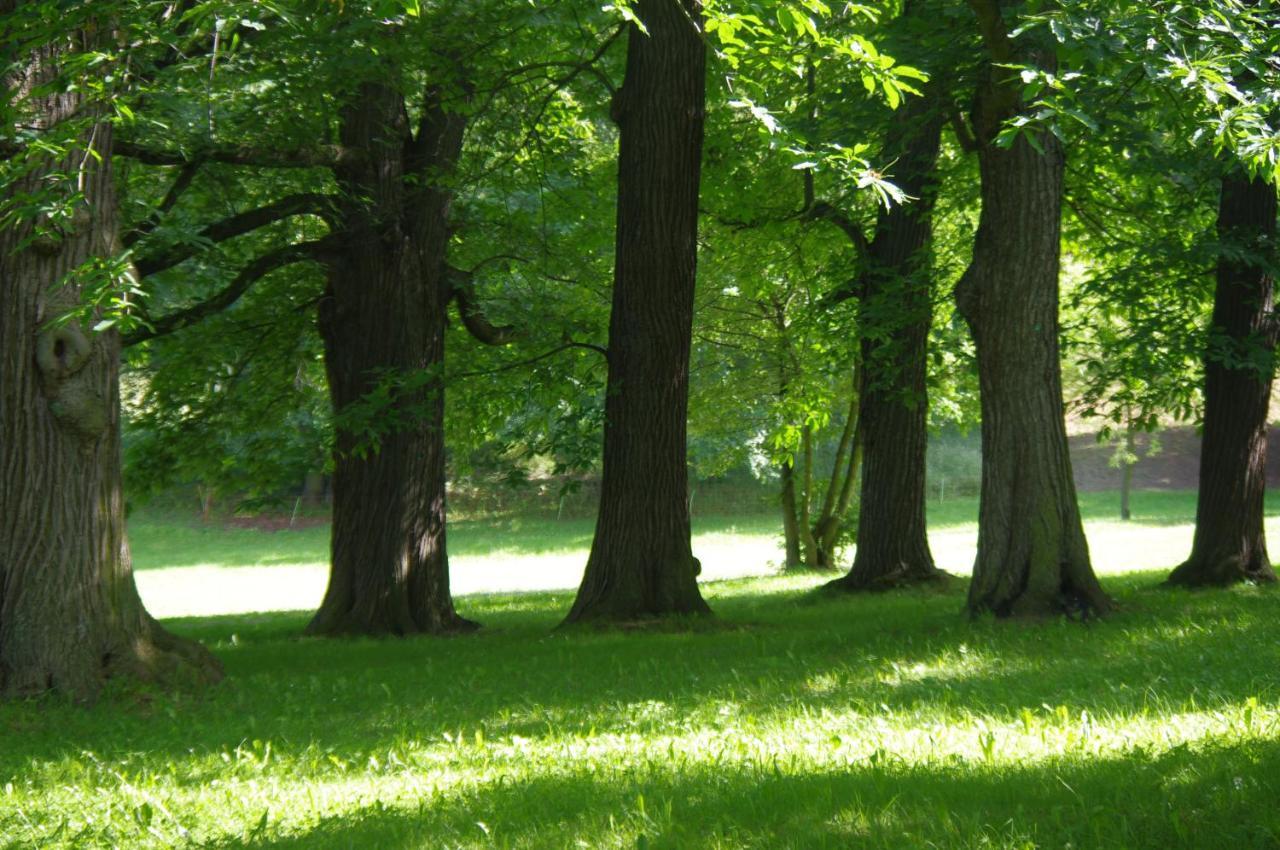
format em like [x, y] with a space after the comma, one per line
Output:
[1174, 466]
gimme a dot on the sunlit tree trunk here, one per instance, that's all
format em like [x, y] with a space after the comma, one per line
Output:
[70, 615]
[1032, 555]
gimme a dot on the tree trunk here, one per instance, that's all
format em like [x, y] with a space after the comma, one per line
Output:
[1126, 471]
[1033, 558]
[70, 615]
[835, 500]
[896, 312]
[383, 323]
[790, 523]
[804, 516]
[1230, 545]
[641, 564]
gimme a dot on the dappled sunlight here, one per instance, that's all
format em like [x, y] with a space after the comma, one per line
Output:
[794, 720]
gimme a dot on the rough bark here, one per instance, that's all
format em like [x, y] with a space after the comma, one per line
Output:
[70, 615]
[1230, 544]
[383, 319]
[1033, 558]
[896, 312]
[641, 564]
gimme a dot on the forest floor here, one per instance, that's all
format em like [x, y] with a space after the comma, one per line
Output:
[792, 721]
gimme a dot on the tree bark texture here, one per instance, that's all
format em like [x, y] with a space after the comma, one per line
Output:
[641, 564]
[895, 316]
[1230, 544]
[70, 615]
[383, 322]
[1033, 559]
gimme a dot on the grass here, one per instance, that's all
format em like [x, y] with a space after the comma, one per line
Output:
[792, 722]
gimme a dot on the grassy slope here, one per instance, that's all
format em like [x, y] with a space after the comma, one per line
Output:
[794, 722]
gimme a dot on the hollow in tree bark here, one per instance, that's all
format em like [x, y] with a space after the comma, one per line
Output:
[1230, 544]
[383, 319]
[1033, 558]
[641, 564]
[70, 615]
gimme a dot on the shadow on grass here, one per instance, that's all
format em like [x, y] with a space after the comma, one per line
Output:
[909, 653]
[1208, 797]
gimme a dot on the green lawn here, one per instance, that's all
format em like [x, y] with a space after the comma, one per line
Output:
[792, 722]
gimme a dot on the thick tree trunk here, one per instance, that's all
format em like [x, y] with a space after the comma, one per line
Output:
[70, 615]
[641, 564]
[1230, 545]
[893, 548]
[1033, 558]
[383, 322]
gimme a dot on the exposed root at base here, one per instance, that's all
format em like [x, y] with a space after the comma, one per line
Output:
[897, 579]
[152, 656]
[1221, 572]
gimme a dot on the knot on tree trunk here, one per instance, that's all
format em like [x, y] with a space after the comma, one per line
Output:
[76, 400]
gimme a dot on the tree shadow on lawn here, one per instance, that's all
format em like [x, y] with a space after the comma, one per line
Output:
[1211, 797]
[781, 653]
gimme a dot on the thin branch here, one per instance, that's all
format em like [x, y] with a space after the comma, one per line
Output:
[319, 156]
[303, 203]
[231, 293]
[531, 360]
[186, 173]
[964, 135]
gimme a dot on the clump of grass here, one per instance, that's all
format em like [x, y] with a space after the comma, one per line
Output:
[888, 721]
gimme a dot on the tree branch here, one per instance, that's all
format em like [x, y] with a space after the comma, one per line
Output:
[231, 293]
[303, 203]
[186, 174]
[531, 360]
[964, 135]
[319, 156]
[824, 211]
[473, 318]
[994, 34]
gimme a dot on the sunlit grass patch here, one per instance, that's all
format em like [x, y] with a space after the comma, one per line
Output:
[887, 721]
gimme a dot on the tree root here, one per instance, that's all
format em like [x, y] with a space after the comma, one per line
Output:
[1221, 572]
[901, 576]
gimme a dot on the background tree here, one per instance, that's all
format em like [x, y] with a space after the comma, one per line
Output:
[895, 289]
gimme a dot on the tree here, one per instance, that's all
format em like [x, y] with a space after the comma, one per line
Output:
[70, 615]
[1230, 541]
[382, 315]
[641, 564]
[895, 293]
[1032, 555]
[1210, 72]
